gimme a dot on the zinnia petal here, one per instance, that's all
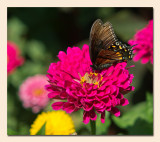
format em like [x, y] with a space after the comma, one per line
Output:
[86, 117]
[103, 117]
[57, 105]
[144, 40]
[115, 111]
[13, 58]
[68, 107]
[93, 115]
[124, 102]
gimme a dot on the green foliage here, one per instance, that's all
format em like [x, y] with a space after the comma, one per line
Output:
[141, 127]
[23, 128]
[11, 132]
[149, 107]
[36, 51]
[139, 119]
[16, 32]
[102, 128]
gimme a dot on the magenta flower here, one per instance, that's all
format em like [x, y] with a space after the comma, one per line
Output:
[13, 58]
[32, 93]
[73, 80]
[144, 40]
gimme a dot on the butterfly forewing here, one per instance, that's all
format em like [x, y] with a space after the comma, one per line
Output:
[101, 36]
[94, 39]
[107, 35]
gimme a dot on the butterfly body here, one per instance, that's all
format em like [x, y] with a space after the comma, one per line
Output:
[105, 49]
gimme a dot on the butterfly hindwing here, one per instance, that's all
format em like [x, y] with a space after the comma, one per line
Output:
[108, 57]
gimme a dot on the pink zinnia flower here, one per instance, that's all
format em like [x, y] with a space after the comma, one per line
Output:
[73, 80]
[13, 58]
[144, 40]
[32, 93]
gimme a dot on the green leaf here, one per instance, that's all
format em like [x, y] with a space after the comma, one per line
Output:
[11, 111]
[11, 132]
[141, 127]
[139, 119]
[129, 118]
[28, 69]
[42, 130]
[149, 97]
[16, 31]
[23, 129]
[102, 128]
[36, 51]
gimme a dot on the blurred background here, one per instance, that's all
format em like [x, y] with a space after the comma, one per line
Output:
[40, 33]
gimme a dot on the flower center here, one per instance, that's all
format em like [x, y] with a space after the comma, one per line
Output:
[91, 78]
[38, 92]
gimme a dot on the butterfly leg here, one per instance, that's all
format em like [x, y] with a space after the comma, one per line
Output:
[104, 66]
[101, 67]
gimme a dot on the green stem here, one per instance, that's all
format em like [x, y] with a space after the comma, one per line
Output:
[93, 127]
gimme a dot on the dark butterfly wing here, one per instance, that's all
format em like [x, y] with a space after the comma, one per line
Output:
[113, 54]
[105, 49]
[94, 41]
[101, 37]
[106, 56]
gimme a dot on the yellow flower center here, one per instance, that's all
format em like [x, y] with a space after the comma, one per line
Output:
[38, 92]
[91, 78]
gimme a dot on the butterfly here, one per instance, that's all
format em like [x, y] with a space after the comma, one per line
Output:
[104, 47]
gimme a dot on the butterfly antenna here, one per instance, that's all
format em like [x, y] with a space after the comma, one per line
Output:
[132, 46]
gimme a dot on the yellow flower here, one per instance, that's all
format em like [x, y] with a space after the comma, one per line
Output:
[57, 123]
